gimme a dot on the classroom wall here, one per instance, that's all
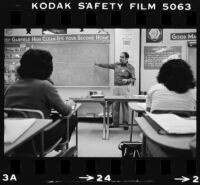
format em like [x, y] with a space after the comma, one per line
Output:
[117, 38]
[148, 77]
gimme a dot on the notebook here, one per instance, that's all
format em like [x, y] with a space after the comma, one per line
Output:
[171, 124]
[14, 128]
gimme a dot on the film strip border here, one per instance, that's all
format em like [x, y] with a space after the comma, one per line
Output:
[124, 170]
[18, 14]
[116, 18]
[143, 14]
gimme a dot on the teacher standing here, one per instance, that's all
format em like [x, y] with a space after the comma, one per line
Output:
[124, 77]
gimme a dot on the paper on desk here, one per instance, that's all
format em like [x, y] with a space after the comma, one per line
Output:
[14, 128]
[142, 105]
[174, 124]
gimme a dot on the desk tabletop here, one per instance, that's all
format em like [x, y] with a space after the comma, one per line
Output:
[171, 141]
[74, 109]
[88, 99]
[39, 125]
[138, 98]
[134, 106]
[77, 106]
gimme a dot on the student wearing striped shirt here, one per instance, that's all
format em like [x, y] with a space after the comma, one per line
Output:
[175, 89]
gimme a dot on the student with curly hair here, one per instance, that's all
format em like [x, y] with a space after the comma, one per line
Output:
[175, 89]
[34, 90]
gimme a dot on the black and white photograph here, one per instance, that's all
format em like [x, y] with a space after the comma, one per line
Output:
[99, 92]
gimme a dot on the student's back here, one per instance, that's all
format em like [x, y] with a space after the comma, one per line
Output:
[35, 91]
[175, 89]
[35, 94]
[160, 98]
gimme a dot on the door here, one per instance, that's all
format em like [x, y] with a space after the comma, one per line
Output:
[192, 57]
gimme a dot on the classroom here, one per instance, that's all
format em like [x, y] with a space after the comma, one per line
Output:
[107, 84]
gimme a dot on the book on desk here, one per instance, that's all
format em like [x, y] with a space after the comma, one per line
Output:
[171, 124]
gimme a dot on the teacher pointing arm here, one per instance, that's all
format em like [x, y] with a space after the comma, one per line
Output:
[124, 76]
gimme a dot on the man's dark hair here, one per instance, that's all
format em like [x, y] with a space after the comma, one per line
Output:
[35, 63]
[176, 75]
[126, 54]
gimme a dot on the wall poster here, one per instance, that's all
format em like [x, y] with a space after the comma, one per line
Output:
[155, 56]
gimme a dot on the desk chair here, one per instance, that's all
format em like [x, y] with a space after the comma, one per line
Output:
[23, 113]
[181, 113]
[31, 113]
[66, 151]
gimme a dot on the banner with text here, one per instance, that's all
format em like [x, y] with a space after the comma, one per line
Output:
[97, 38]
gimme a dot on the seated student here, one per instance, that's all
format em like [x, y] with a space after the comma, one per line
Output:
[175, 88]
[34, 90]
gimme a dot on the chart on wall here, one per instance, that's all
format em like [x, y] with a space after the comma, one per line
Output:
[74, 57]
[12, 55]
[155, 56]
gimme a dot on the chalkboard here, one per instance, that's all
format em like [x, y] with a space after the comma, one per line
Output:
[73, 60]
[74, 63]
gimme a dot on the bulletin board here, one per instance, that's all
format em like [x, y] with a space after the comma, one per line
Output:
[152, 59]
[154, 56]
[74, 57]
[12, 54]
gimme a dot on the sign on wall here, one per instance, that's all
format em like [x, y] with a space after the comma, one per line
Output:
[154, 35]
[155, 56]
[59, 38]
[183, 36]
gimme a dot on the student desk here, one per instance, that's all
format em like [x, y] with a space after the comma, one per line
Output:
[37, 127]
[111, 99]
[134, 108]
[101, 101]
[157, 145]
[75, 112]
